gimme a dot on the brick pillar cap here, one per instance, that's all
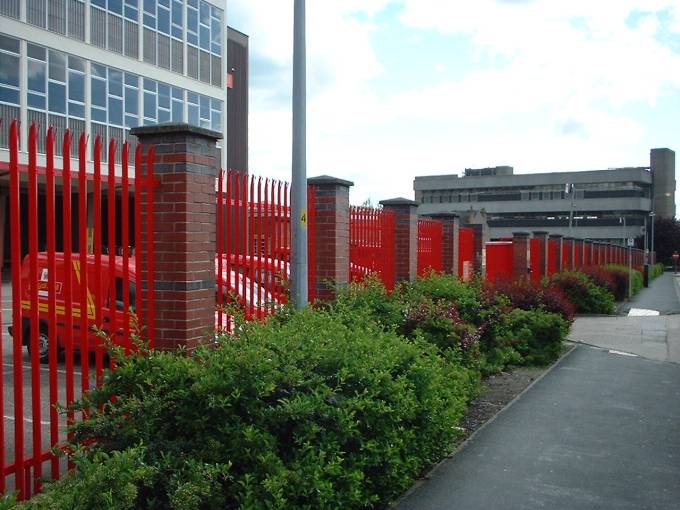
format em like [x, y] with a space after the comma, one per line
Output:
[556, 236]
[327, 179]
[399, 201]
[175, 127]
[540, 233]
[520, 234]
[569, 238]
[443, 215]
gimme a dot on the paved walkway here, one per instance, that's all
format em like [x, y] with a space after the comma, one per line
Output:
[662, 295]
[600, 431]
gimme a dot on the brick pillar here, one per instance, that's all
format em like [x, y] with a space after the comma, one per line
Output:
[405, 237]
[521, 258]
[541, 265]
[560, 246]
[569, 248]
[186, 165]
[450, 233]
[331, 205]
[481, 232]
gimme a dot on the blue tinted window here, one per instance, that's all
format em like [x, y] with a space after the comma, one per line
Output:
[192, 97]
[177, 12]
[131, 13]
[164, 21]
[9, 95]
[77, 64]
[216, 121]
[36, 76]
[98, 70]
[205, 107]
[56, 97]
[115, 111]
[9, 44]
[99, 3]
[36, 101]
[76, 110]
[131, 101]
[192, 38]
[133, 3]
[116, 6]
[149, 85]
[193, 3]
[204, 38]
[150, 6]
[163, 116]
[192, 20]
[177, 93]
[115, 83]
[36, 52]
[98, 93]
[163, 96]
[205, 13]
[149, 105]
[132, 80]
[149, 21]
[177, 113]
[177, 32]
[9, 69]
[164, 3]
[131, 121]
[76, 86]
[193, 115]
[98, 114]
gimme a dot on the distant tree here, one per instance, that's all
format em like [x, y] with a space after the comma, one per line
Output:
[666, 238]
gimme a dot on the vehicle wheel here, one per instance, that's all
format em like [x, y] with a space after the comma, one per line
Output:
[43, 345]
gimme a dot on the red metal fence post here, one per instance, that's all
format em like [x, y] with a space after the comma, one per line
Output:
[184, 231]
[521, 259]
[539, 266]
[555, 241]
[331, 234]
[405, 237]
[450, 233]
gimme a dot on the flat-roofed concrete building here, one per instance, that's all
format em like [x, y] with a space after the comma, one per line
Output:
[611, 204]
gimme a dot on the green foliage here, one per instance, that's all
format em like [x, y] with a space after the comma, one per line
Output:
[308, 413]
[586, 296]
[636, 281]
[466, 296]
[656, 270]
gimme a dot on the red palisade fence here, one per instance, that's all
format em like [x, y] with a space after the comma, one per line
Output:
[64, 283]
[371, 244]
[429, 246]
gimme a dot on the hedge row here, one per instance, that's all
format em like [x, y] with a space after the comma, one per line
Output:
[341, 406]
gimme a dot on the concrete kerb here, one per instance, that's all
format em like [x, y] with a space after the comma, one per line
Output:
[570, 347]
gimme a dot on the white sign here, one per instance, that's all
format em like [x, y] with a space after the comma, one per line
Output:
[631, 242]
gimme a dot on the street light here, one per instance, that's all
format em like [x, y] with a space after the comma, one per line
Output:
[652, 215]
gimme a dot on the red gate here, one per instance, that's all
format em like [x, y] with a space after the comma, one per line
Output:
[372, 244]
[466, 252]
[73, 230]
[429, 246]
[499, 259]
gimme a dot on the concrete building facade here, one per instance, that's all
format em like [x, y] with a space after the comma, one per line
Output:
[609, 205]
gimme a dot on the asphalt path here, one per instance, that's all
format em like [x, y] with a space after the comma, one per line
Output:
[600, 431]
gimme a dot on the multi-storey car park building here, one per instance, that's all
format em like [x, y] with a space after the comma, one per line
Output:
[105, 66]
[611, 205]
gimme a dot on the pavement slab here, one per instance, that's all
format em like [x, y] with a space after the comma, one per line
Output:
[599, 431]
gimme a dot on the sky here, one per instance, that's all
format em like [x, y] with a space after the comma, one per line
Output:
[399, 88]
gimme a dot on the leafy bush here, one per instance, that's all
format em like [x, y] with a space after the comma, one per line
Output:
[622, 274]
[528, 295]
[586, 296]
[605, 278]
[656, 270]
[305, 413]
[435, 286]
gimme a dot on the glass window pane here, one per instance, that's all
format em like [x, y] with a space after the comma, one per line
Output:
[116, 6]
[216, 121]
[205, 107]
[8, 95]
[131, 101]
[204, 38]
[76, 110]
[99, 3]
[115, 111]
[192, 97]
[115, 83]
[192, 20]
[57, 62]
[149, 21]
[163, 116]
[132, 80]
[77, 64]
[177, 12]
[150, 6]
[131, 13]
[131, 121]
[193, 3]
[56, 97]
[164, 3]
[177, 111]
[98, 70]
[9, 44]
[76, 86]
[149, 105]
[205, 13]
[37, 52]
[192, 38]
[98, 114]
[149, 85]
[9, 69]
[193, 115]
[177, 31]
[164, 21]
[177, 93]
[163, 96]
[36, 101]
[98, 92]
[36, 76]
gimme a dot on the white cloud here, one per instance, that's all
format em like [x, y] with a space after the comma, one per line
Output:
[552, 96]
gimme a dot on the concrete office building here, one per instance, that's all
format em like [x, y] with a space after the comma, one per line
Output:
[610, 205]
[105, 66]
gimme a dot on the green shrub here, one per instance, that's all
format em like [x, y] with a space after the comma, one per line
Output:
[656, 270]
[635, 276]
[586, 296]
[308, 413]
